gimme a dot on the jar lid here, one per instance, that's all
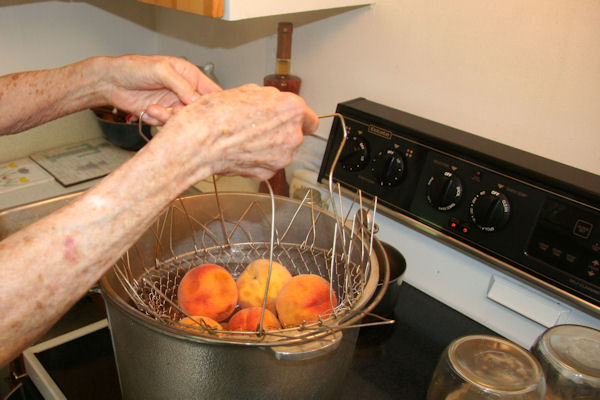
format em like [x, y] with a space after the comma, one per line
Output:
[495, 364]
[574, 347]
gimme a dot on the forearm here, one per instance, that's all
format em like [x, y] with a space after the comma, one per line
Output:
[48, 266]
[28, 99]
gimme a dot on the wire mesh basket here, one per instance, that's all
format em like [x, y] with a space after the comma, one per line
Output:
[234, 229]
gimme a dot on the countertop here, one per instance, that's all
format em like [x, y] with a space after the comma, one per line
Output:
[50, 187]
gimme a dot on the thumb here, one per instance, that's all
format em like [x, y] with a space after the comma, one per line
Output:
[182, 88]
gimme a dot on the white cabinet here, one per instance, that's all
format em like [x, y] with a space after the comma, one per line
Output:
[232, 10]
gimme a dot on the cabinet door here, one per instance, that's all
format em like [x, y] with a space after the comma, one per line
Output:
[209, 8]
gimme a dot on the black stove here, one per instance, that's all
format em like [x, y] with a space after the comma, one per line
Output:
[390, 361]
[532, 217]
[397, 361]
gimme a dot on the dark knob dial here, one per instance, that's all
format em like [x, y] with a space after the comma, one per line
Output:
[355, 154]
[490, 210]
[388, 167]
[444, 191]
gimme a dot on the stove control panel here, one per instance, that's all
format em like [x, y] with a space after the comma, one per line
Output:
[533, 217]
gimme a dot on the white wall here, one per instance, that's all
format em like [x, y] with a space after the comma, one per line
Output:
[523, 73]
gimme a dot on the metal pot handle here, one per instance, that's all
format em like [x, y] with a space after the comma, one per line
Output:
[306, 350]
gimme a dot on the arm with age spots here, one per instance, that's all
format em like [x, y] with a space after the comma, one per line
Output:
[46, 267]
[130, 83]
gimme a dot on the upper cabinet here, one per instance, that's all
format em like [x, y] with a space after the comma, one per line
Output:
[232, 10]
[209, 8]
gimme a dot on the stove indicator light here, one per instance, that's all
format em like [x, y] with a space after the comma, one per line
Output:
[453, 223]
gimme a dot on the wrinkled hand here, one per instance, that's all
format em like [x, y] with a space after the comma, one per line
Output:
[162, 82]
[250, 131]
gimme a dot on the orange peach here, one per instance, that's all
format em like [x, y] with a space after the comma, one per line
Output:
[253, 281]
[208, 290]
[303, 299]
[197, 322]
[247, 319]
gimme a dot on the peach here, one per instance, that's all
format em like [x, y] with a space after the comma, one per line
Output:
[208, 290]
[303, 299]
[247, 319]
[202, 322]
[253, 281]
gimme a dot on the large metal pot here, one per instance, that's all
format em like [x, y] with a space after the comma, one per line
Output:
[157, 361]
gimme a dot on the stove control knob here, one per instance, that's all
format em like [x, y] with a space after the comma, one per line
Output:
[444, 191]
[490, 210]
[355, 154]
[388, 167]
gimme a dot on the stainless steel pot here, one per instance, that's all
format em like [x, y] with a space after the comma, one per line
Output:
[157, 361]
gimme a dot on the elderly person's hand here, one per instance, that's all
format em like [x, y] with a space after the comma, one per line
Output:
[155, 85]
[250, 131]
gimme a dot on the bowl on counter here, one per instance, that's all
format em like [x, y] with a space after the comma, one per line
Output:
[120, 130]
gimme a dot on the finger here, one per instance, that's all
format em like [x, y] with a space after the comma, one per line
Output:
[182, 88]
[207, 85]
[158, 115]
[150, 120]
[310, 122]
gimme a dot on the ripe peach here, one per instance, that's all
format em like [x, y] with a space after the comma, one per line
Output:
[247, 319]
[208, 290]
[202, 322]
[303, 299]
[253, 281]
